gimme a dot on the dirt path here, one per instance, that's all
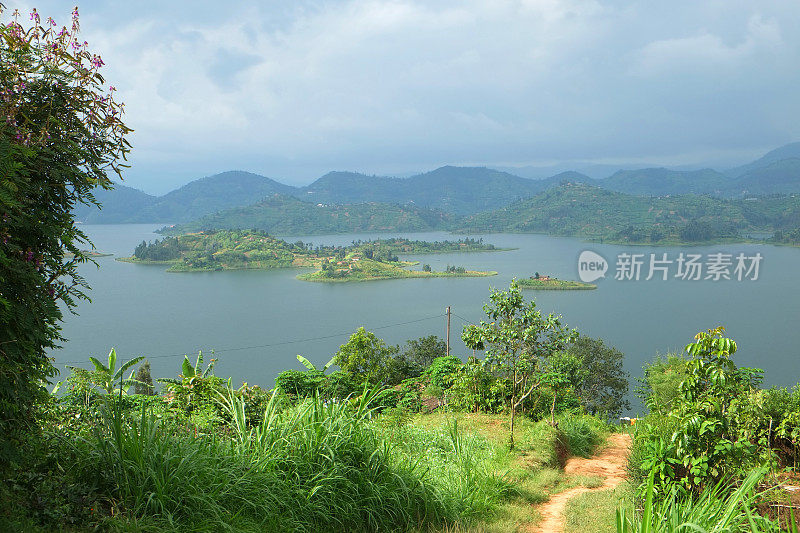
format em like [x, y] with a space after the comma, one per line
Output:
[608, 464]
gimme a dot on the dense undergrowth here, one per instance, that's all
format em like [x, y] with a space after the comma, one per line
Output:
[127, 462]
[714, 447]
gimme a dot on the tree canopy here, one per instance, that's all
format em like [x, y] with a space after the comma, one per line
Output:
[517, 341]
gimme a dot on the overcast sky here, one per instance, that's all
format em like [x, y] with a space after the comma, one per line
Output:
[293, 89]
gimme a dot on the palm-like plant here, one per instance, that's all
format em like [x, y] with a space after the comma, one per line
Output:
[309, 365]
[190, 378]
[108, 376]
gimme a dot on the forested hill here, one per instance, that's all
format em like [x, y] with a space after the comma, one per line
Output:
[662, 181]
[286, 215]
[581, 210]
[459, 191]
[121, 205]
[195, 199]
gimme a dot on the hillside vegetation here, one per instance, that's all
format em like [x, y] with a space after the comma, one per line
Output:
[286, 215]
[593, 213]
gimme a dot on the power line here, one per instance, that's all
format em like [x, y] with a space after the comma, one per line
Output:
[468, 322]
[283, 343]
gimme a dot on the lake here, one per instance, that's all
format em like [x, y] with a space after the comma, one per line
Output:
[256, 322]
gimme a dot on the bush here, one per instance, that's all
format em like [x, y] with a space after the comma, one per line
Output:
[299, 383]
[340, 384]
[443, 371]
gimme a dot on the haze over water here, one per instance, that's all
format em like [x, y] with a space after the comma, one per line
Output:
[252, 319]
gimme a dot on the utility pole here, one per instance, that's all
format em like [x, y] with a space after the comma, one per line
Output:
[448, 330]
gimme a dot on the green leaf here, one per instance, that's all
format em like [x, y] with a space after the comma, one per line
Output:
[188, 369]
[306, 363]
[112, 360]
[98, 366]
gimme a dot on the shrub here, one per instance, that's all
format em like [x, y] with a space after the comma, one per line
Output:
[443, 371]
[299, 383]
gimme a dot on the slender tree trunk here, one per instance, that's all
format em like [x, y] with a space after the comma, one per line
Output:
[511, 441]
[513, 407]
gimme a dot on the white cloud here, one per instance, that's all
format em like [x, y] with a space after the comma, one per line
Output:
[296, 89]
[708, 51]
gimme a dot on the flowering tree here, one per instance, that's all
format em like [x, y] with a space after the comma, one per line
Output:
[61, 135]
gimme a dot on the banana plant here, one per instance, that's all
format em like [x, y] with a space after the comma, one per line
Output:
[108, 376]
[309, 365]
[191, 377]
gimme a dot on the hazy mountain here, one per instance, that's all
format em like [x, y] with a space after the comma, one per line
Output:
[569, 177]
[120, 205]
[778, 177]
[787, 151]
[351, 187]
[662, 182]
[458, 190]
[213, 193]
[592, 170]
[464, 190]
[286, 215]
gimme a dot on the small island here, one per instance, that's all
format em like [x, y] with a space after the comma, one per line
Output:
[88, 253]
[549, 283]
[209, 251]
[356, 268]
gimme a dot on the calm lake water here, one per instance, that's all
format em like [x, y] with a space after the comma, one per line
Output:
[257, 322]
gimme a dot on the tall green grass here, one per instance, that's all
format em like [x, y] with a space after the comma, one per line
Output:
[313, 467]
[717, 510]
[462, 467]
[582, 434]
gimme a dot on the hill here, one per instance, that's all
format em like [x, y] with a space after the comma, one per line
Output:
[211, 194]
[120, 205]
[466, 190]
[286, 215]
[352, 187]
[457, 190]
[207, 195]
[591, 212]
[662, 182]
[787, 151]
[778, 177]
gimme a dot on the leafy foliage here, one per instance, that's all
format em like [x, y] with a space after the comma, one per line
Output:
[366, 356]
[711, 429]
[60, 134]
[595, 372]
[517, 341]
[107, 376]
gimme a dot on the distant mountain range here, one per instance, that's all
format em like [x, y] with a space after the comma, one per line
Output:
[430, 199]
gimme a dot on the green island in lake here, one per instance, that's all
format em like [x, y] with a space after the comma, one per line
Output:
[255, 250]
[548, 283]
